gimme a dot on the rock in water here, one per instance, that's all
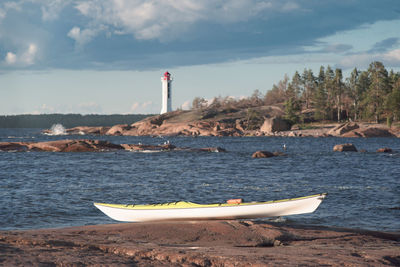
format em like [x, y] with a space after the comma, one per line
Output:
[384, 150]
[345, 148]
[263, 154]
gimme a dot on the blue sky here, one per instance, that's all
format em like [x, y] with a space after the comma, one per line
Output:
[106, 57]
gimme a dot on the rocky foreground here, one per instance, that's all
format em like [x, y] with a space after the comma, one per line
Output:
[207, 243]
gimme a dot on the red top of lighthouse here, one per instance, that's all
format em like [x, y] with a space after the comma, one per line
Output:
[167, 76]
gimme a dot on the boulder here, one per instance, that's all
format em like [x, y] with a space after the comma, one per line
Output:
[384, 150]
[263, 154]
[345, 148]
[376, 132]
[344, 128]
[275, 124]
[118, 129]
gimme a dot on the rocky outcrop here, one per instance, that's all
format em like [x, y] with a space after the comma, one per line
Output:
[85, 145]
[233, 122]
[207, 243]
[376, 132]
[274, 124]
[60, 146]
[345, 148]
[343, 128]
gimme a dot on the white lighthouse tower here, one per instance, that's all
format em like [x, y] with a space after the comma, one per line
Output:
[166, 81]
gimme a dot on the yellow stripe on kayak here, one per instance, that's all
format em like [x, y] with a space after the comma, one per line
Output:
[186, 205]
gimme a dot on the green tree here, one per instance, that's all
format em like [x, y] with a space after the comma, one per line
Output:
[199, 103]
[378, 90]
[338, 89]
[357, 85]
[320, 96]
[309, 84]
[292, 108]
[394, 101]
[329, 88]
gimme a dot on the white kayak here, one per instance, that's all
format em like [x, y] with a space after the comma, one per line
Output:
[182, 210]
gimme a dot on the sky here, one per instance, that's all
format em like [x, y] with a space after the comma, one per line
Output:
[107, 56]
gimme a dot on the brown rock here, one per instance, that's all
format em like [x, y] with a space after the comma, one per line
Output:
[141, 147]
[86, 130]
[263, 154]
[384, 150]
[63, 146]
[119, 129]
[274, 124]
[195, 243]
[12, 146]
[376, 132]
[343, 128]
[345, 148]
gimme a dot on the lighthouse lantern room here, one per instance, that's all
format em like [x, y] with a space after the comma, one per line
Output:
[166, 81]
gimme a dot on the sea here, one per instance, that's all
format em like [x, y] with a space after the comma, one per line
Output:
[54, 190]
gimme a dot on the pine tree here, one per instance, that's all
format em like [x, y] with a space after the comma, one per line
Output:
[338, 88]
[329, 87]
[394, 101]
[378, 89]
[320, 96]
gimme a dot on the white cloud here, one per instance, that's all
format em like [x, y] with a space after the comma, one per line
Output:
[82, 37]
[165, 19]
[89, 107]
[11, 58]
[145, 107]
[2, 14]
[26, 58]
[393, 55]
[290, 6]
[389, 59]
[52, 8]
[186, 105]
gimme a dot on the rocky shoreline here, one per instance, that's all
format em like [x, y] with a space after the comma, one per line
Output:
[199, 243]
[177, 124]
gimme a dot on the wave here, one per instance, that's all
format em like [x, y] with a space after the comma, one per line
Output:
[57, 129]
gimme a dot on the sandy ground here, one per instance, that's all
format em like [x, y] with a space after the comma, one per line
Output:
[201, 243]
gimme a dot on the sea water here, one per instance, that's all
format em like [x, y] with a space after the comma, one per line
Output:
[52, 189]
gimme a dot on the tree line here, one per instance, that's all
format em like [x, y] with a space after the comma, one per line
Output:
[366, 95]
[67, 120]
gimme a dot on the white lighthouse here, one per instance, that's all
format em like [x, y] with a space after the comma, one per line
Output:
[166, 81]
